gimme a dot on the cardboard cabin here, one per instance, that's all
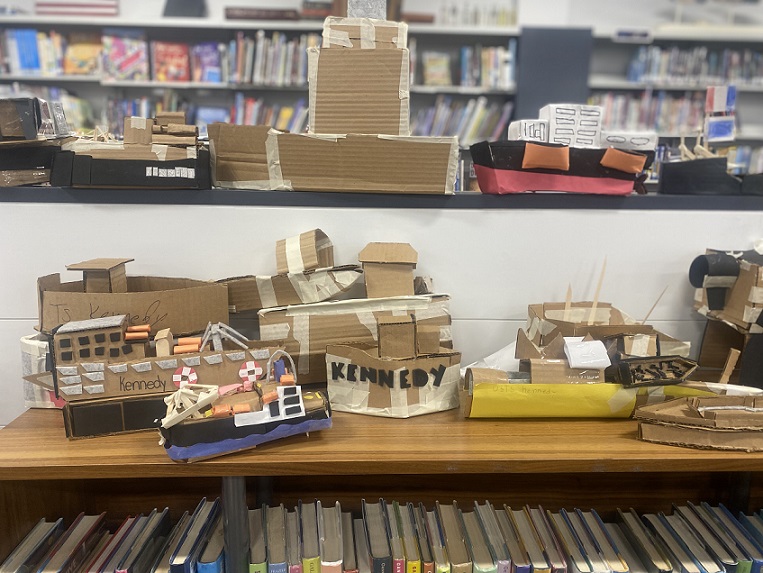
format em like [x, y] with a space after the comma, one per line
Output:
[388, 268]
[103, 275]
[94, 339]
[310, 250]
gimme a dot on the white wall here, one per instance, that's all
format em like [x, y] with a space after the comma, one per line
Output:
[492, 262]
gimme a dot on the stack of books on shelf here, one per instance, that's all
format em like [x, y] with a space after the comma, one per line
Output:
[26, 51]
[472, 121]
[698, 65]
[488, 67]
[403, 537]
[269, 61]
[255, 111]
[666, 114]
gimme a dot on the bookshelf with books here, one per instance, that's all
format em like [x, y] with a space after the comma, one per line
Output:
[673, 65]
[439, 457]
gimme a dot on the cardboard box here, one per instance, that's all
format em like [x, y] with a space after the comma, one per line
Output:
[185, 306]
[364, 33]
[388, 268]
[309, 328]
[138, 130]
[307, 251]
[257, 292]
[239, 157]
[113, 416]
[362, 163]
[359, 91]
[361, 382]
[397, 337]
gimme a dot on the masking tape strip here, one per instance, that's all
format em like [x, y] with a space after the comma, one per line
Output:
[368, 320]
[259, 185]
[699, 294]
[404, 93]
[31, 345]
[419, 138]
[160, 151]
[446, 333]
[313, 54]
[434, 310]
[745, 265]
[678, 348]
[640, 344]
[315, 287]
[756, 295]
[293, 253]
[274, 162]
[333, 37]
[621, 398]
[266, 291]
[450, 178]
[718, 282]
[274, 331]
[367, 34]
[301, 334]
[751, 314]
[138, 122]
[532, 327]
[190, 152]
[352, 306]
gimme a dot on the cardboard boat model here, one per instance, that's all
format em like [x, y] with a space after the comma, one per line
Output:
[520, 166]
[565, 150]
[205, 421]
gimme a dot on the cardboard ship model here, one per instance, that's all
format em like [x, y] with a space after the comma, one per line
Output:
[565, 150]
[204, 421]
[718, 423]
[115, 378]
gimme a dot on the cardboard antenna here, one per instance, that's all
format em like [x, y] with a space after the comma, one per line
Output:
[728, 368]
[568, 303]
[592, 314]
[648, 314]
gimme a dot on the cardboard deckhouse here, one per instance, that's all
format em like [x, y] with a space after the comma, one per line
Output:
[92, 340]
[103, 275]
[388, 268]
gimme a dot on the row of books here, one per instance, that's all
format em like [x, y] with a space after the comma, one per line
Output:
[489, 67]
[472, 121]
[255, 111]
[403, 538]
[698, 65]
[660, 111]
[125, 54]
[26, 51]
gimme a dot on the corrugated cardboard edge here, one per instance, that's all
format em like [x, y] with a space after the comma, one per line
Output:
[404, 91]
[450, 177]
[274, 163]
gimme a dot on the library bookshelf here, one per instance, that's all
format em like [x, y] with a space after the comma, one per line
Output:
[551, 462]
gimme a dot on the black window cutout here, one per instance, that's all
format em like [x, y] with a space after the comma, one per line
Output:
[65, 343]
[274, 409]
[127, 349]
[100, 338]
[83, 340]
[292, 410]
[291, 400]
[115, 336]
[67, 356]
[84, 353]
[100, 351]
[114, 352]
[290, 390]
